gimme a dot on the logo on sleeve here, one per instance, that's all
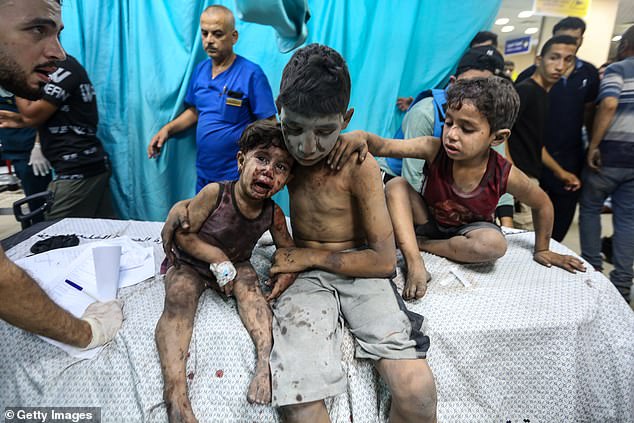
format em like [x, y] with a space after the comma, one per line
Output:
[87, 92]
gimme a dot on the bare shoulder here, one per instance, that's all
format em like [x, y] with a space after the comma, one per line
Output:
[365, 175]
[202, 205]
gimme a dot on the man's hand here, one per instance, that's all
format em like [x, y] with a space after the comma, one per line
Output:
[594, 159]
[38, 162]
[178, 218]
[290, 260]
[346, 146]
[105, 320]
[570, 180]
[156, 143]
[403, 103]
[549, 258]
[10, 119]
[280, 282]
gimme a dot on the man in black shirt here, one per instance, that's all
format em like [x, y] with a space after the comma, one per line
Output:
[67, 119]
[571, 107]
[29, 46]
[526, 144]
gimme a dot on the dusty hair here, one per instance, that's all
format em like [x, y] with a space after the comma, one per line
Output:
[494, 97]
[315, 82]
[261, 133]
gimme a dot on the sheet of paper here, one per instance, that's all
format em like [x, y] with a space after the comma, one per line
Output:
[51, 269]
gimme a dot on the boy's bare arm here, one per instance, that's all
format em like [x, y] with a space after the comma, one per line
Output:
[199, 210]
[282, 239]
[543, 216]
[357, 142]
[378, 260]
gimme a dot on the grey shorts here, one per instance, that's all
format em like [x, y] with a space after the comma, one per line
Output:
[433, 230]
[308, 328]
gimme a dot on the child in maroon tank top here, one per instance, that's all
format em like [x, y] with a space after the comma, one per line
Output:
[226, 220]
[464, 181]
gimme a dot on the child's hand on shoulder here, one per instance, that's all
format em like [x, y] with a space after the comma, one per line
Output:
[549, 258]
[346, 146]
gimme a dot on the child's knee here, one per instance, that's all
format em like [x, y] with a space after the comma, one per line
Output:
[181, 291]
[417, 397]
[395, 187]
[491, 246]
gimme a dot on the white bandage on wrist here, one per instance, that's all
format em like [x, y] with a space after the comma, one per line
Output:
[224, 272]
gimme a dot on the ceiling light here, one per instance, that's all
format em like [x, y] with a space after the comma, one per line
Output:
[502, 21]
[525, 14]
[616, 38]
[507, 28]
[530, 31]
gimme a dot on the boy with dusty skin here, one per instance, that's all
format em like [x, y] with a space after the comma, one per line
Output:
[227, 219]
[464, 181]
[345, 253]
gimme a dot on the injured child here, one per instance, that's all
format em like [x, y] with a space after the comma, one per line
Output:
[227, 219]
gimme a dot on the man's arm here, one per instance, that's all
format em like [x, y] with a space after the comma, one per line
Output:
[9, 119]
[378, 260]
[25, 305]
[543, 217]
[35, 113]
[570, 180]
[185, 120]
[603, 119]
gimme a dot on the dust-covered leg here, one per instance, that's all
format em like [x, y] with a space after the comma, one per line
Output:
[477, 246]
[256, 317]
[406, 208]
[173, 333]
[413, 390]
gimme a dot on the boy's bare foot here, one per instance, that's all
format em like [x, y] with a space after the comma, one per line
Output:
[179, 410]
[416, 283]
[260, 387]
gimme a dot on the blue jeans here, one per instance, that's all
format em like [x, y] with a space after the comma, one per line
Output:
[619, 183]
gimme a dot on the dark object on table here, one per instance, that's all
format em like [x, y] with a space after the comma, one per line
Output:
[54, 242]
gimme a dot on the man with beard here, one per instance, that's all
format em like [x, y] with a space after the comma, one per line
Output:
[29, 47]
[225, 94]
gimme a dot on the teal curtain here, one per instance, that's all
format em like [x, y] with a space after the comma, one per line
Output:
[140, 54]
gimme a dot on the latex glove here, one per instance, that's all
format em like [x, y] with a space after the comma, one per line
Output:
[40, 165]
[105, 320]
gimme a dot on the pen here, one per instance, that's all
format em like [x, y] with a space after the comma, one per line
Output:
[79, 288]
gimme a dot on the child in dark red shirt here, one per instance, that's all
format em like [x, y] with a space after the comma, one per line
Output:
[464, 181]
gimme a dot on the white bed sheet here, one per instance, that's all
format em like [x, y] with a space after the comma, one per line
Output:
[521, 343]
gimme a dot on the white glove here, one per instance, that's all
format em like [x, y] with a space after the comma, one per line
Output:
[224, 272]
[105, 320]
[40, 165]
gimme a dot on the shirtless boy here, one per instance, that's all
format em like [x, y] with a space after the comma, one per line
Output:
[226, 220]
[346, 252]
[465, 179]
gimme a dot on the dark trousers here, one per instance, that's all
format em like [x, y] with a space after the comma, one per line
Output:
[31, 184]
[565, 205]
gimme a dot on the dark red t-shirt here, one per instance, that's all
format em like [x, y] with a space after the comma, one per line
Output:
[449, 206]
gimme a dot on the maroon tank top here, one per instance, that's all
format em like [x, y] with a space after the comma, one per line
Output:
[228, 229]
[451, 207]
